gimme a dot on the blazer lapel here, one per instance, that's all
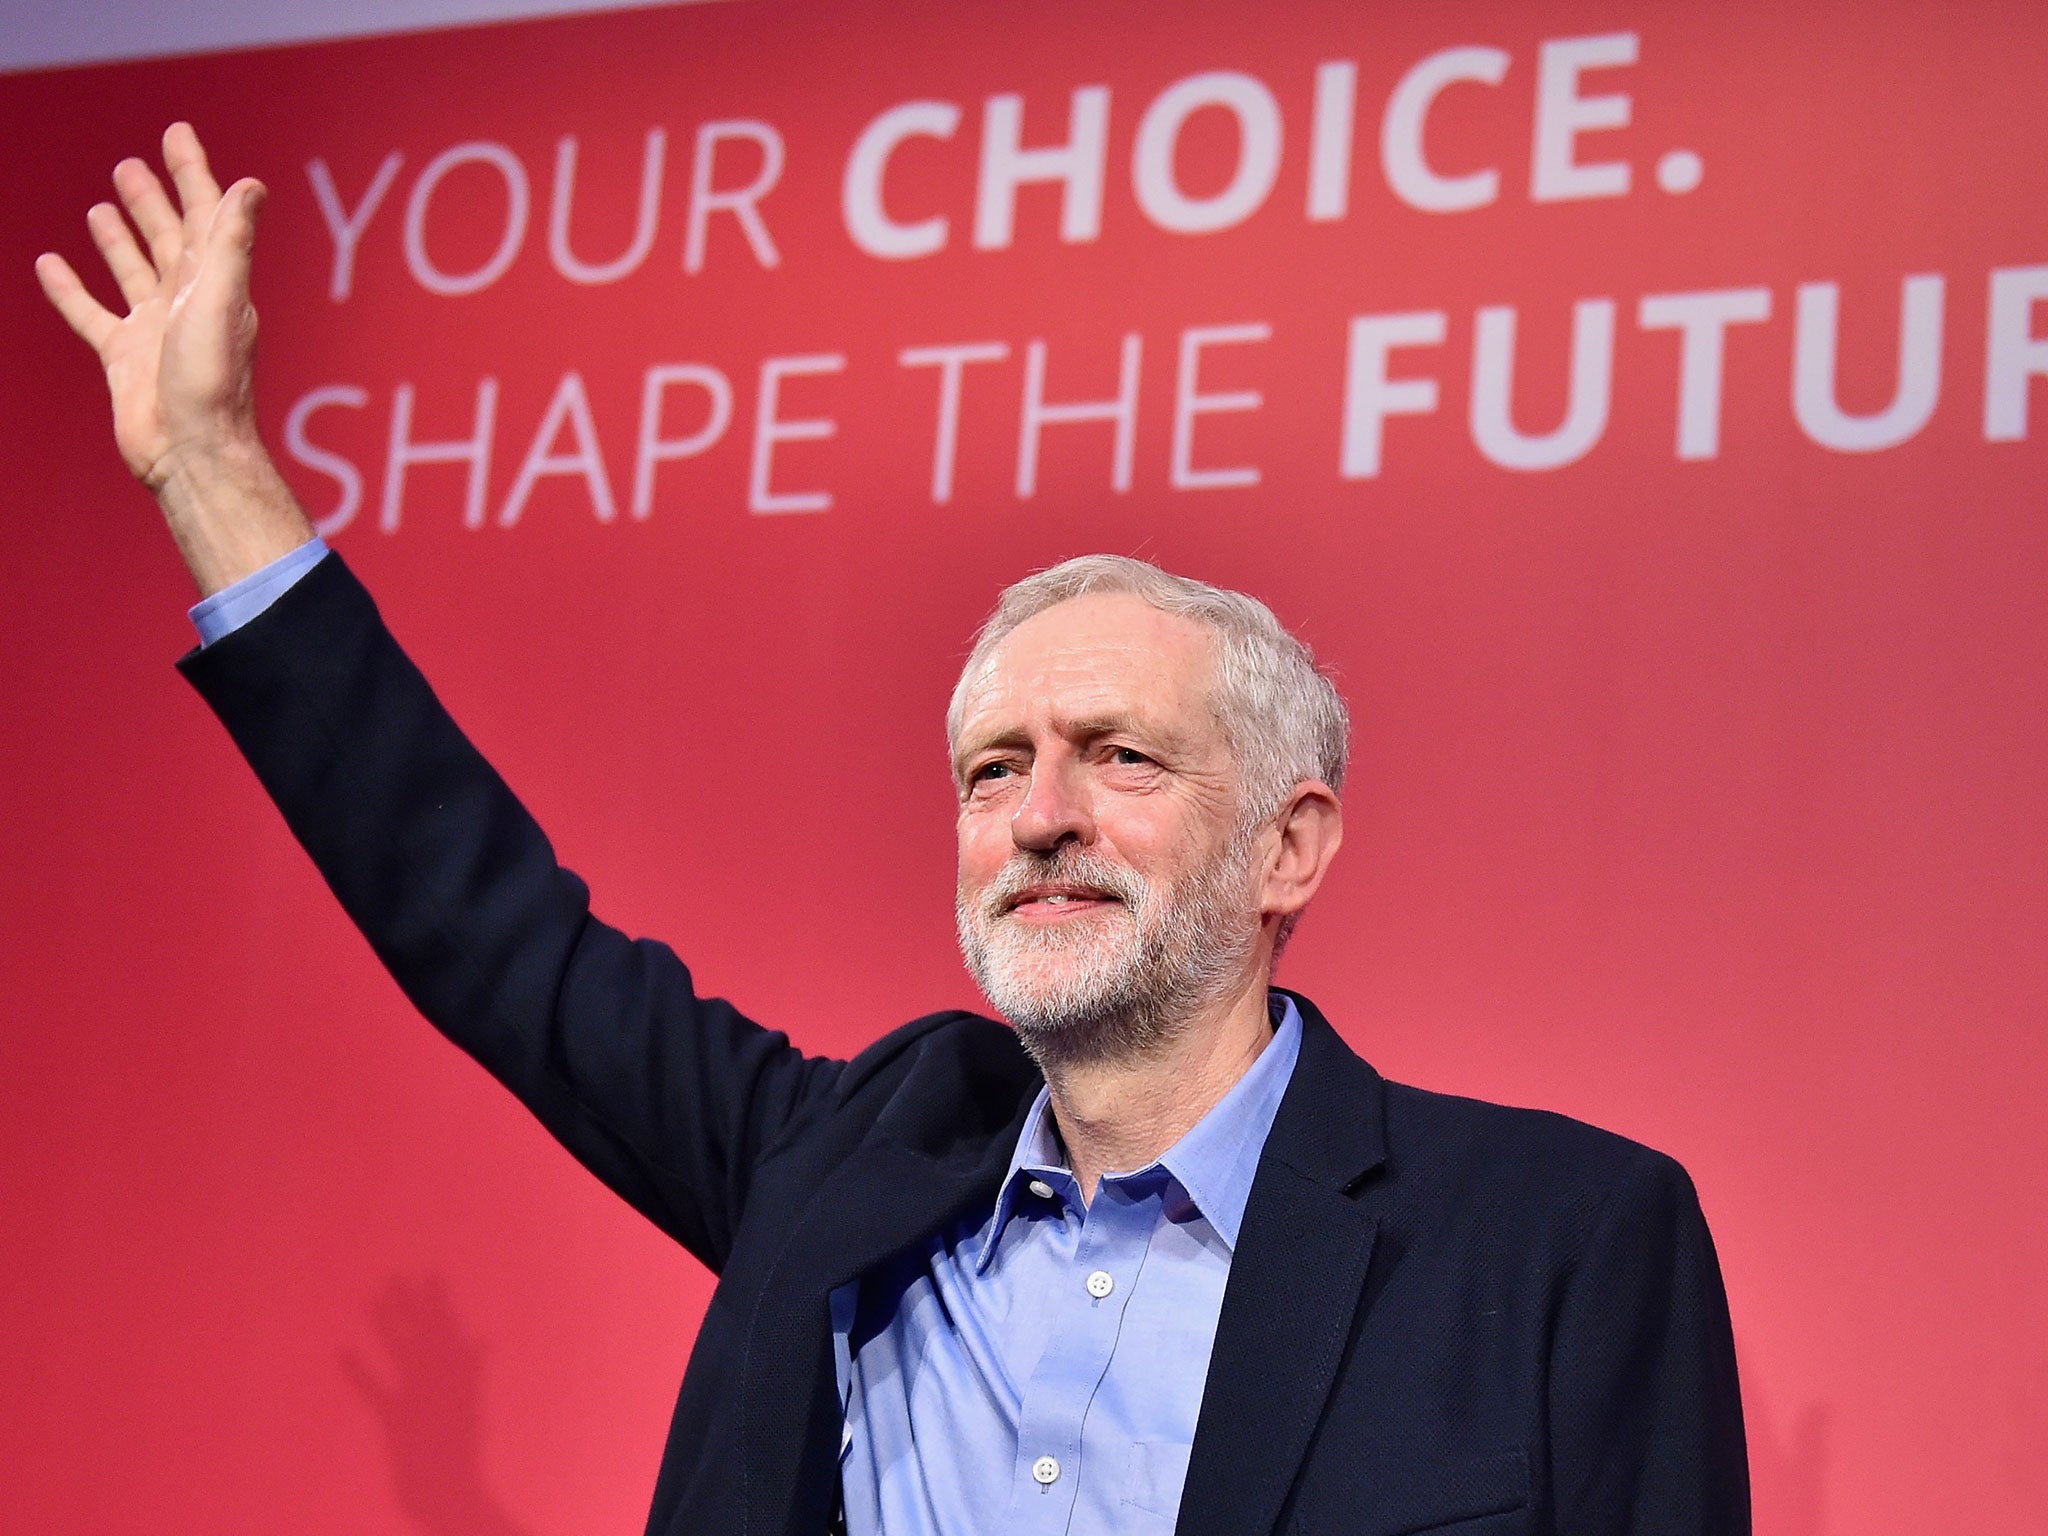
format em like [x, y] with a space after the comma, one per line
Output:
[1295, 1280]
[938, 1153]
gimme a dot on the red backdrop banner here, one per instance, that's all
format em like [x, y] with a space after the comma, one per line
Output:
[1640, 406]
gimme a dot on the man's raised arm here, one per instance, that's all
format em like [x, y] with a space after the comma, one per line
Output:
[668, 1097]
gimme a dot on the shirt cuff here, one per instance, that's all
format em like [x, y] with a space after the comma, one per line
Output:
[233, 606]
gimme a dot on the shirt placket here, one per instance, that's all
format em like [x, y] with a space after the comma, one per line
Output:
[1095, 1287]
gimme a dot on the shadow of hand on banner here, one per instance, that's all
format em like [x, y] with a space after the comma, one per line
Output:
[1788, 1464]
[429, 1404]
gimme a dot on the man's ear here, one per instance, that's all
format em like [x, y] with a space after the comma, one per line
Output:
[1309, 828]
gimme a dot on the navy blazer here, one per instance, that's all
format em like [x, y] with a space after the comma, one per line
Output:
[1442, 1315]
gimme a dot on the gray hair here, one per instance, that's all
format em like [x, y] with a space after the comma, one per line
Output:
[1279, 710]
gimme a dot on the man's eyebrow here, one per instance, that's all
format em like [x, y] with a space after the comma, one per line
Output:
[1086, 728]
[970, 745]
[1116, 724]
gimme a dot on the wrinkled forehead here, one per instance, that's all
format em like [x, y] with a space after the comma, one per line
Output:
[1096, 657]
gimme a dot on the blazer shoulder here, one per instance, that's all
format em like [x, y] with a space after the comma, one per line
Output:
[948, 1029]
[1536, 1158]
[1458, 1121]
[953, 1056]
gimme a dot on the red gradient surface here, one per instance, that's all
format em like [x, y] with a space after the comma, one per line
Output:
[1702, 798]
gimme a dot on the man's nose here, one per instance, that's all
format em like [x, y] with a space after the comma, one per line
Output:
[1055, 807]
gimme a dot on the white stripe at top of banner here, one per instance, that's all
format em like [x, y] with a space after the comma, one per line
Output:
[35, 34]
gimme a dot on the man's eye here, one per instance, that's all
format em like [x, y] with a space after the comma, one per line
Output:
[1128, 756]
[989, 771]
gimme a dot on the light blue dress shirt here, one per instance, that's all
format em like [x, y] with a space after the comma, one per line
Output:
[1036, 1369]
[233, 606]
[1039, 1369]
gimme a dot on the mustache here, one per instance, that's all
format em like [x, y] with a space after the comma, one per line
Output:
[1069, 865]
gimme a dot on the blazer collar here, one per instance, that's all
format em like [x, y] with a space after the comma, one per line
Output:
[1293, 1293]
[1332, 1125]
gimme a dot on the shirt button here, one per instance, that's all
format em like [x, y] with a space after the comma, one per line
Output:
[1046, 1470]
[1100, 1284]
[1044, 1192]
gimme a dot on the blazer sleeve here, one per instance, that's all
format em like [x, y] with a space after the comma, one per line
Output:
[1645, 1413]
[668, 1097]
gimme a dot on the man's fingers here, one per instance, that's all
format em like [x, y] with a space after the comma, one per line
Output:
[93, 322]
[143, 196]
[224, 261]
[240, 207]
[185, 159]
[124, 258]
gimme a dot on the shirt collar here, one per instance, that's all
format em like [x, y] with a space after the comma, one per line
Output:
[1036, 1158]
[1214, 1162]
[1217, 1158]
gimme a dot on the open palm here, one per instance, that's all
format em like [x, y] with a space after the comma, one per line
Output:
[179, 363]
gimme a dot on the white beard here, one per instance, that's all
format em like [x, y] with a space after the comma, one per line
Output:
[1117, 981]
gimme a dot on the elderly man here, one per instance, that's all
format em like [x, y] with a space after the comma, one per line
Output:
[1163, 1254]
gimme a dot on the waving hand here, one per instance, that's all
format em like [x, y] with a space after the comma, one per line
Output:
[180, 364]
